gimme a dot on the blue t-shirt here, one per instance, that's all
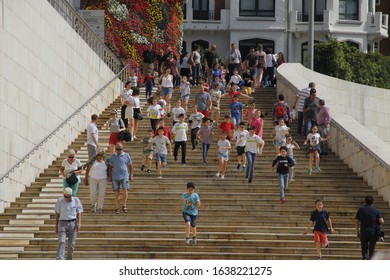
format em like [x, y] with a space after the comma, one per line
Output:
[235, 108]
[320, 219]
[189, 206]
[120, 163]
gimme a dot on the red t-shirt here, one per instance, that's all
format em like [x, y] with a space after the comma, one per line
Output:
[227, 127]
[233, 93]
[167, 133]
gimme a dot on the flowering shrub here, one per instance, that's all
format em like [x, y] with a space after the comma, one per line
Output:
[130, 25]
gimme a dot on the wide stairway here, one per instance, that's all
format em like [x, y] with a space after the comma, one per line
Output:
[237, 220]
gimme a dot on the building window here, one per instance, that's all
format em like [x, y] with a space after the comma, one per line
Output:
[200, 9]
[349, 9]
[245, 45]
[319, 8]
[257, 8]
[184, 8]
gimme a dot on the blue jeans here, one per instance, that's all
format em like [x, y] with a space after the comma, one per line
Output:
[283, 183]
[300, 122]
[250, 157]
[308, 125]
[269, 77]
[205, 150]
[196, 74]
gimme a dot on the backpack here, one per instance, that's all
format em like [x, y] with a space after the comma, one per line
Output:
[280, 110]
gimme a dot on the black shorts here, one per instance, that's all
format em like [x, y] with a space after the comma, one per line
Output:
[240, 150]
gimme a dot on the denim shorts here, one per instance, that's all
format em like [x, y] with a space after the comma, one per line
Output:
[223, 156]
[279, 143]
[161, 157]
[120, 184]
[166, 90]
[190, 219]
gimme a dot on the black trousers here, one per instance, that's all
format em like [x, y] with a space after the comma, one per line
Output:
[123, 112]
[183, 145]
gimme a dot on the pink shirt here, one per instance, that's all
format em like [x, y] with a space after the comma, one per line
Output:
[250, 115]
[258, 124]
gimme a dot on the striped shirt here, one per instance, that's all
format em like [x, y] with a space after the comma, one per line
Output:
[302, 95]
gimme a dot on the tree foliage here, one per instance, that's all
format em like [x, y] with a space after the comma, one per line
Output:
[340, 60]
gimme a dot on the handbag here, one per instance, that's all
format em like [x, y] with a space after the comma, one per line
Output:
[72, 179]
[124, 135]
[138, 116]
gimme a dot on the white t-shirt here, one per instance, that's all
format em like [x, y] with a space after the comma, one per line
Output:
[176, 112]
[180, 131]
[252, 142]
[290, 150]
[126, 94]
[92, 129]
[196, 119]
[240, 137]
[98, 170]
[314, 139]
[70, 167]
[154, 111]
[223, 145]
[134, 81]
[281, 133]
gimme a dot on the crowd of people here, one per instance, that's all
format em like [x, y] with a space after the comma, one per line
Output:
[242, 126]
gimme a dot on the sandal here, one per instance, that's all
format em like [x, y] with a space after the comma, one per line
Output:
[124, 209]
[117, 211]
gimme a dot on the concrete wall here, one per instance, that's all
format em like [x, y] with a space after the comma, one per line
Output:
[360, 131]
[46, 72]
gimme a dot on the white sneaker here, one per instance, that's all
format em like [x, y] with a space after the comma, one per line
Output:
[222, 176]
[217, 175]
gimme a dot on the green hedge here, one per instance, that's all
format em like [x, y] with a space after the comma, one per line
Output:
[340, 60]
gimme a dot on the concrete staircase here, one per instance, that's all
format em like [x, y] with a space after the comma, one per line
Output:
[237, 220]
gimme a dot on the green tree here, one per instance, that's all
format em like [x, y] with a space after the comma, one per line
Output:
[340, 60]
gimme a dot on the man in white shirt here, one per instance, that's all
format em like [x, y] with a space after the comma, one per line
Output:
[92, 137]
[68, 211]
[233, 60]
[180, 131]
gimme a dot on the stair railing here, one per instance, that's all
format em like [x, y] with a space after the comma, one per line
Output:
[122, 75]
[85, 32]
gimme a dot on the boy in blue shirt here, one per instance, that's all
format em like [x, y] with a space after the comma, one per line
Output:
[189, 205]
[236, 110]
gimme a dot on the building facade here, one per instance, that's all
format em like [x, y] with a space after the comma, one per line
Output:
[384, 6]
[282, 25]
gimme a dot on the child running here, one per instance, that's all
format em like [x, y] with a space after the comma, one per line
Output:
[189, 205]
[291, 145]
[282, 163]
[161, 142]
[147, 152]
[314, 140]
[205, 134]
[240, 136]
[253, 147]
[223, 150]
[321, 220]
[280, 132]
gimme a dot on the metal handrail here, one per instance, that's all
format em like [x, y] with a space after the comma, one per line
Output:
[77, 111]
[85, 32]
